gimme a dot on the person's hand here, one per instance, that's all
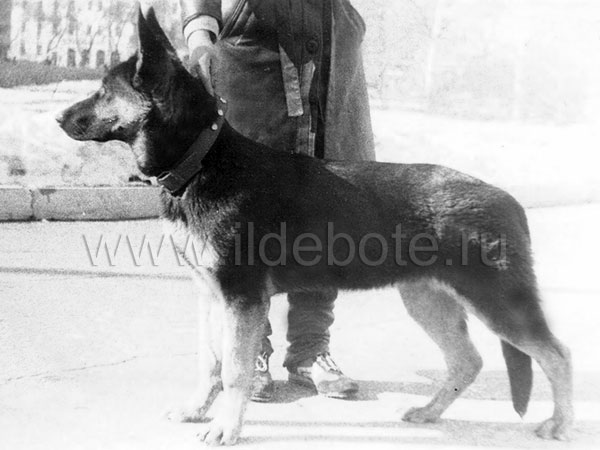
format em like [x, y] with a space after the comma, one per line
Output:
[203, 57]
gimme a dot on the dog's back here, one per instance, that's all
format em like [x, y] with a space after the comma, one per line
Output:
[405, 220]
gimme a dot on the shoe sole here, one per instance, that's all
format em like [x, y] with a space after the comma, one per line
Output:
[261, 399]
[302, 381]
[306, 382]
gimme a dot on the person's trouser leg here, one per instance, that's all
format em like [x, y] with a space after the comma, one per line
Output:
[262, 385]
[266, 347]
[309, 318]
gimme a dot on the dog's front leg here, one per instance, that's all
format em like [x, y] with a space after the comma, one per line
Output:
[242, 330]
[210, 324]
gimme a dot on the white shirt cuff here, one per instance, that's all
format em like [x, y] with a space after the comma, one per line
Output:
[207, 23]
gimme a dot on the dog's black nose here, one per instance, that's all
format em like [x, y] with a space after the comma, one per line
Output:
[60, 117]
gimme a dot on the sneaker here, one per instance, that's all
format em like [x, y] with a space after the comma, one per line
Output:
[262, 384]
[326, 377]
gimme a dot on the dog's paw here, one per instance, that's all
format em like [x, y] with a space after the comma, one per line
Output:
[221, 432]
[420, 415]
[553, 429]
[186, 415]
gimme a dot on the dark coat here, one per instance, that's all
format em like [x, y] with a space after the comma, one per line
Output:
[252, 69]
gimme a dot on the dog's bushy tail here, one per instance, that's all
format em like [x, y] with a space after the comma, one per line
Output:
[520, 375]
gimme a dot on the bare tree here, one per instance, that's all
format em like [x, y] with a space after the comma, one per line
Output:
[58, 28]
[84, 39]
[40, 19]
[5, 17]
[119, 14]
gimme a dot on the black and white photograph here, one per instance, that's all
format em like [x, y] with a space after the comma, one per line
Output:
[299, 224]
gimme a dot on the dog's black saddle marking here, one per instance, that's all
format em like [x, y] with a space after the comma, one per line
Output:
[177, 178]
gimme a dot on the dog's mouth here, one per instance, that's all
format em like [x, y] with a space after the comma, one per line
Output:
[89, 128]
[75, 132]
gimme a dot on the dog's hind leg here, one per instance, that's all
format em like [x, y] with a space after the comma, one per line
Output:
[445, 321]
[242, 330]
[522, 324]
[555, 360]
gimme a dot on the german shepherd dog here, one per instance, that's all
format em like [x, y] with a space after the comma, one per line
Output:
[273, 222]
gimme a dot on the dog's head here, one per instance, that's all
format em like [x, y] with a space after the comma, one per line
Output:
[149, 101]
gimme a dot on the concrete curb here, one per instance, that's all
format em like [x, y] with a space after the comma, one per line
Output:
[79, 203]
[143, 202]
[15, 204]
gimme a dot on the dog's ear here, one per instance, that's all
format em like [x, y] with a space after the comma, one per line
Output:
[156, 56]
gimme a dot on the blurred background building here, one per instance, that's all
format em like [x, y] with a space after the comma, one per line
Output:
[71, 33]
[83, 33]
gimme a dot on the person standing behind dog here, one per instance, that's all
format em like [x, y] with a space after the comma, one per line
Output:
[293, 75]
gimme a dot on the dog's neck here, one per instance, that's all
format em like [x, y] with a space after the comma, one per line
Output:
[179, 116]
[187, 167]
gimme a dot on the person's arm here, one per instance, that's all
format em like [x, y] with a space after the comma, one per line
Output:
[191, 9]
[201, 24]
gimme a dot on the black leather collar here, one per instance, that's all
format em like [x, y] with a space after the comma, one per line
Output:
[176, 178]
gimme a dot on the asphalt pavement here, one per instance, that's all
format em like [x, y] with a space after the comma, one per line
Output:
[96, 346]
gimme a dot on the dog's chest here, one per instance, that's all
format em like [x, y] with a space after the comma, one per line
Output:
[191, 248]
